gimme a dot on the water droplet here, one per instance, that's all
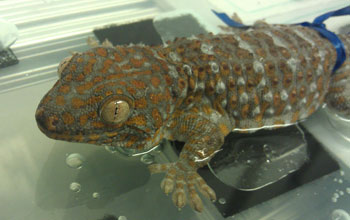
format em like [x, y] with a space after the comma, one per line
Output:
[75, 160]
[187, 69]
[342, 173]
[335, 180]
[268, 161]
[122, 218]
[249, 161]
[111, 149]
[336, 195]
[174, 57]
[341, 193]
[96, 195]
[147, 159]
[75, 187]
[334, 200]
[340, 214]
[222, 201]
[206, 49]
[214, 67]
[348, 190]
[340, 181]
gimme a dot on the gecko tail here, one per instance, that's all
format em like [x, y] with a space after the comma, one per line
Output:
[338, 96]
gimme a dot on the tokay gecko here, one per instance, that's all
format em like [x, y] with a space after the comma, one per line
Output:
[195, 90]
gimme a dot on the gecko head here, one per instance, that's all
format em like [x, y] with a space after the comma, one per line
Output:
[107, 96]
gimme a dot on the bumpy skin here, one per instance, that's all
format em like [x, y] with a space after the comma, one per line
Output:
[195, 90]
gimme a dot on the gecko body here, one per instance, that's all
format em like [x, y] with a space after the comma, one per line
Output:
[195, 90]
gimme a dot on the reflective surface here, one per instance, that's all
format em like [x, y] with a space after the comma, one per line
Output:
[39, 177]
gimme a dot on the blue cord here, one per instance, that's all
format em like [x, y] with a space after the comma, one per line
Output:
[317, 25]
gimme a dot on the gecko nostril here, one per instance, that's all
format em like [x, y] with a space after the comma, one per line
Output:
[45, 122]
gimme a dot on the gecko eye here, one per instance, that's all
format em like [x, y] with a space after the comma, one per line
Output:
[115, 110]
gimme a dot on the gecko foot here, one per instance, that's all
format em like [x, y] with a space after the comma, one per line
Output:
[176, 180]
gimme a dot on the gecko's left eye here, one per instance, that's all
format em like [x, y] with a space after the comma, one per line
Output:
[115, 110]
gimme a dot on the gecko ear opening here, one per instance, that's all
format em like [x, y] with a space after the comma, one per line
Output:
[116, 109]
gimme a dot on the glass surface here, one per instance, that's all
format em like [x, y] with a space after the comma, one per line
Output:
[42, 178]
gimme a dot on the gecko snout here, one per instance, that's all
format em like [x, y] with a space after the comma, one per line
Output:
[46, 123]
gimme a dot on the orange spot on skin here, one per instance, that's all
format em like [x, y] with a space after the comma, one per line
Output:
[210, 87]
[108, 93]
[137, 63]
[80, 77]
[276, 99]
[311, 110]
[207, 109]
[94, 137]
[60, 100]
[68, 77]
[156, 98]
[117, 57]
[111, 134]
[92, 114]
[189, 99]
[91, 54]
[97, 124]
[83, 120]
[78, 138]
[279, 122]
[126, 67]
[82, 88]
[132, 140]
[224, 129]
[138, 120]
[67, 118]
[320, 83]
[181, 84]
[46, 100]
[80, 60]
[168, 80]
[141, 103]
[98, 79]
[155, 68]
[138, 84]
[131, 90]
[155, 81]
[192, 83]
[295, 117]
[94, 99]
[77, 103]
[119, 91]
[88, 67]
[106, 65]
[73, 68]
[245, 111]
[99, 88]
[157, 118]
[115, 76]
[101, 51]
[293, 96]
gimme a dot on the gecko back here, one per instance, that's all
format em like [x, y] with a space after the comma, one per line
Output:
[266, 76]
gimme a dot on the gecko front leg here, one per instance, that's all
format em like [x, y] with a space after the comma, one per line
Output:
[202, 140]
